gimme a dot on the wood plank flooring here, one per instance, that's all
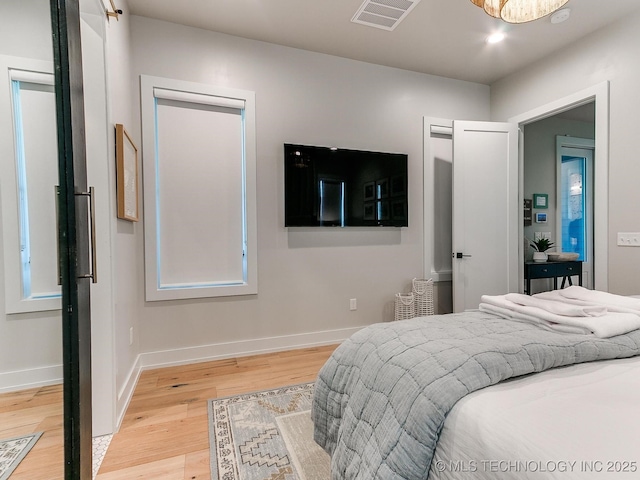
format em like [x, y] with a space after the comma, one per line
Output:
[164, 435]
[35, 410]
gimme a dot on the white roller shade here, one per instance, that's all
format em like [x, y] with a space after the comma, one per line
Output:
[199, 188]
[441, 130]
[199, 98]
[31, 77]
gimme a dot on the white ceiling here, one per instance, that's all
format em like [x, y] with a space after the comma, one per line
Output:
[439, 37]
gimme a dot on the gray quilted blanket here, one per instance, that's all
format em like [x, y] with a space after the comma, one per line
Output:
[382, 398]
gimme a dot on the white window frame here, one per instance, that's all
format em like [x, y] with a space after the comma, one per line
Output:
[195, 93]
[16, 299]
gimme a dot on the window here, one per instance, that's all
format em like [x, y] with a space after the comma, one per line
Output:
[30, 173]
[199, 186]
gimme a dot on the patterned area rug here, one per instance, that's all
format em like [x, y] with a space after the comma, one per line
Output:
[13, 450]
[266, 436]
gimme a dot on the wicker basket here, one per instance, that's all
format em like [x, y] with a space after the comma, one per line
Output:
[405, 307]
[423, 296]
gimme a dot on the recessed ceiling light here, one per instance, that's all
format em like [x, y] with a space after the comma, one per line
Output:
[561, 15]
[495, 37]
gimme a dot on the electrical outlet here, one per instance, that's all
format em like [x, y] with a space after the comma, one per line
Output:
[353, 304]
[629, 239]
[131, 336]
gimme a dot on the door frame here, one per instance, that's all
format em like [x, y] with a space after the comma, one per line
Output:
[599, 94]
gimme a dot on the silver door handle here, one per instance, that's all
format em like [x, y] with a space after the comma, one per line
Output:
[459, 255]
[92, 209]
[92, 214]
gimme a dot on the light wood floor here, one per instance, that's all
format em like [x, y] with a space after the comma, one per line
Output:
[36, 410]
[164, 435]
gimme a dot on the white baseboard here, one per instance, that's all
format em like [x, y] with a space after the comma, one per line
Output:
[31, 378]
[126, 392]
[243, 348]
[220, 351]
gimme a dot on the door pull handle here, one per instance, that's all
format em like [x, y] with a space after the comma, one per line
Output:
[92, 218]
[460, 255]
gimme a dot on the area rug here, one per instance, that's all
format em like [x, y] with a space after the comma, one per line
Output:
[13, 450]
[266, 436]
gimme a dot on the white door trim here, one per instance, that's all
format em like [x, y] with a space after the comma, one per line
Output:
[600, 94]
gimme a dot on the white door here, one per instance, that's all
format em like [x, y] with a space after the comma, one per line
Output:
[485, 211]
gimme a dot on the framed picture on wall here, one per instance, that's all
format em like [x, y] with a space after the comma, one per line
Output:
[540, 200]
[541, 218]
[528, 206]
[127, 175]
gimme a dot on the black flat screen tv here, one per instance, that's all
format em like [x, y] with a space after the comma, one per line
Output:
[326, 186]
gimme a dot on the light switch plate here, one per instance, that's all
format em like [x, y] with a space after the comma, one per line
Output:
[353, 304]
[629, 239]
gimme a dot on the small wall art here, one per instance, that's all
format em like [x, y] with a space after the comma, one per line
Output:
[127, 175]
[540, 200]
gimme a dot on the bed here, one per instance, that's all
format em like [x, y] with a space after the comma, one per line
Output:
[485, 394]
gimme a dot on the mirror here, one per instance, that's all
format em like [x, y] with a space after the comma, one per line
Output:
[31, 409]
[30, 320]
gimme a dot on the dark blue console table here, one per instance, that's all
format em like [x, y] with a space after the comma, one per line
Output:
[566, 270]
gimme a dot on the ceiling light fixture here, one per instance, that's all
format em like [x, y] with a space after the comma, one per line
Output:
[495, 37]
[519, 11]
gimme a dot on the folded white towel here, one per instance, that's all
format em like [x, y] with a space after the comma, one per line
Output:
[559, 308]
[603, 326]
[601, 298]
[576, 295]
[513, 315]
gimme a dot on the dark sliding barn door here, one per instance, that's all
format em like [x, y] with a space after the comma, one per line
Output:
[73, 239]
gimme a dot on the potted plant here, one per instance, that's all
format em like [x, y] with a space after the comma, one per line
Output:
[541, 246]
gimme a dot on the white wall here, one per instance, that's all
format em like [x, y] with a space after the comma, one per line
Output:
[306, 277]
[26, 29]
[612, 54]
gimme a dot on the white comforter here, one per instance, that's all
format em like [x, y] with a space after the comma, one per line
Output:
[577, 422]
[571, 310]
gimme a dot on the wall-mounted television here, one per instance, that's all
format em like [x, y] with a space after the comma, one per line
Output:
[327, 186]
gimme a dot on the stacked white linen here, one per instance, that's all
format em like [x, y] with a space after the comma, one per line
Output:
[576, 295]
[572, 310]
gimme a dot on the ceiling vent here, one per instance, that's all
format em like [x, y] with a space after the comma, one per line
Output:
[384, 14]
